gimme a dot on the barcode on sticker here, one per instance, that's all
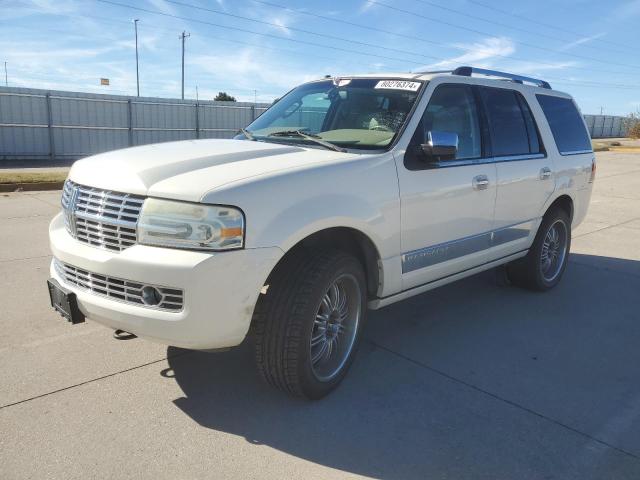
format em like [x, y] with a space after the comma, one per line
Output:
[398, 85]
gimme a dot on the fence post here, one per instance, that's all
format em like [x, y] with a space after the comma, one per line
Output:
[52, 146]
[130, 115]
[197, 120]
[613, 120]
[253, 112]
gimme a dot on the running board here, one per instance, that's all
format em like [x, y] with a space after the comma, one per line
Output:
[377, 303]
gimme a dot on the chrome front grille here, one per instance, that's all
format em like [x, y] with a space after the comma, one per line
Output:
[101, 218]
[171, 299]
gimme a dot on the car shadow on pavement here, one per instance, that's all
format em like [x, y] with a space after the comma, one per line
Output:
[472, 379]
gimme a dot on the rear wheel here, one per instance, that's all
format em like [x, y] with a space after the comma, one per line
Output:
[546, 261]
[308, 324]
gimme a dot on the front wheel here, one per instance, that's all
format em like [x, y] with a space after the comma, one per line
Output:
[547, 259]
[308, 324]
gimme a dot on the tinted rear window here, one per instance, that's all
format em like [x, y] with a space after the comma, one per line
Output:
[566, 124]
[509, 134]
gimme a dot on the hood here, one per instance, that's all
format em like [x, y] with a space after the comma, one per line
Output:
[186, 170]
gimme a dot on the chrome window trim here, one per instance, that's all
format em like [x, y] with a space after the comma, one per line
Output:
[454, 249]
[576, 152]
[485, 160]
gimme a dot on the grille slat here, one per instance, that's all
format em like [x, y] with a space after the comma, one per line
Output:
[118, 288]
[101, 218]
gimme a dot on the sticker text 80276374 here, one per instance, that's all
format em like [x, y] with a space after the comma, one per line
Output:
[398, 85]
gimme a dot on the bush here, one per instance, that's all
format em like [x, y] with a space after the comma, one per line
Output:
[634, 130]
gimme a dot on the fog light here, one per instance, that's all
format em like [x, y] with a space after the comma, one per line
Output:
[151, 295]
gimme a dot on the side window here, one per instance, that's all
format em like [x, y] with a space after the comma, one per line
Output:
[566, 124]
[452, 108]
[535, 145]
[509, 132]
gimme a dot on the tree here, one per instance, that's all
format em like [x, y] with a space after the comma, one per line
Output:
[633, 124]
[224, 97]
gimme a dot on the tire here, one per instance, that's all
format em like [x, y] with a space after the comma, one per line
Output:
[537, 271]
[294, 313]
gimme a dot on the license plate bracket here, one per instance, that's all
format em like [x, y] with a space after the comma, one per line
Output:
[64, 302]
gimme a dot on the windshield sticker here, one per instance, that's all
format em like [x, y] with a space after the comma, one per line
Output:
[398, 85]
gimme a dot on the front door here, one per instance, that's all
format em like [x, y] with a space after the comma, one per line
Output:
[447, 207]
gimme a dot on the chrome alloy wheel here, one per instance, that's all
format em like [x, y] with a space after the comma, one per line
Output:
[335, 327]
[554, 250]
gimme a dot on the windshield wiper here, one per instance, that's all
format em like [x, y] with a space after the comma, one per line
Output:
[248, 134]
[307, 136]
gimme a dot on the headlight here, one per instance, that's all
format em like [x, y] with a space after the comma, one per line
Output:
[190, 225]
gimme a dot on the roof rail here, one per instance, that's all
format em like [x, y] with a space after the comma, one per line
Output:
[468, 71]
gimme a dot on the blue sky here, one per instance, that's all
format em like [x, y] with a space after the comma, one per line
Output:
[588, 48]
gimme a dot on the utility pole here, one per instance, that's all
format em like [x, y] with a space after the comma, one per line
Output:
[6, 78]
[135, 24]
[255, 97]
[183, 37]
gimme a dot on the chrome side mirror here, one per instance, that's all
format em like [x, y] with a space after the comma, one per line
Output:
[440, 145]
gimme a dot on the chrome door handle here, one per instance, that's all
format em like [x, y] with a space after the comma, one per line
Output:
[480, 182]
[545, 173]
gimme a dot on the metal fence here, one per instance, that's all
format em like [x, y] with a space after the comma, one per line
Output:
[607, 126]
[61, 126]
[41, 124]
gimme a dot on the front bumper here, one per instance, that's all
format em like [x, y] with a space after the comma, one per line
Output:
[220, 289]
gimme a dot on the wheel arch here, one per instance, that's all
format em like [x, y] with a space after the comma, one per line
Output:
[347, 239]
[565, 202]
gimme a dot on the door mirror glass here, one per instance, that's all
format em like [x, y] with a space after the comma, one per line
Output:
[440, 145]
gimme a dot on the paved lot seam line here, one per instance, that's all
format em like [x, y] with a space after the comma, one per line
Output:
[94, 380]
[607, 227]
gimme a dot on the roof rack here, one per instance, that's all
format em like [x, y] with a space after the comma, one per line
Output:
[468, 71]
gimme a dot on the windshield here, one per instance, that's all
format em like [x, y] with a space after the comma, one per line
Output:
[347, 113]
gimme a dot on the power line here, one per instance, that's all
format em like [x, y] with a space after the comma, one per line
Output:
[480, 32]
[295, 29]
[547, 25]
[279, 37]
[415, 38]
[505, 25]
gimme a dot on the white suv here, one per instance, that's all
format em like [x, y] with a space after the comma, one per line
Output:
[349, 193]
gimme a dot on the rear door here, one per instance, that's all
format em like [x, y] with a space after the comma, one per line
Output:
[525, 173]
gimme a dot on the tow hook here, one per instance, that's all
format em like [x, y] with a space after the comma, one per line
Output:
[122, 335]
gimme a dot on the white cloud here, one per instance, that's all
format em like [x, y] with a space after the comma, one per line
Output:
[581, 41]
[248, 69]
[281, 24]
[367, 5]
[163, 6]
[479, 54]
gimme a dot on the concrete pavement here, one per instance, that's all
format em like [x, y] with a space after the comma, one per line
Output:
[473, 380]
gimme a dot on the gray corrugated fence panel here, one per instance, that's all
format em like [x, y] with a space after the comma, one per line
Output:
[83, 141]
[225, 115]
[588, 120]
[607, 126]
[24, 141]
[143, 137]
[87, 123]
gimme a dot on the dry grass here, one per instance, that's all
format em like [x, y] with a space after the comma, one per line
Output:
[32, 177]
